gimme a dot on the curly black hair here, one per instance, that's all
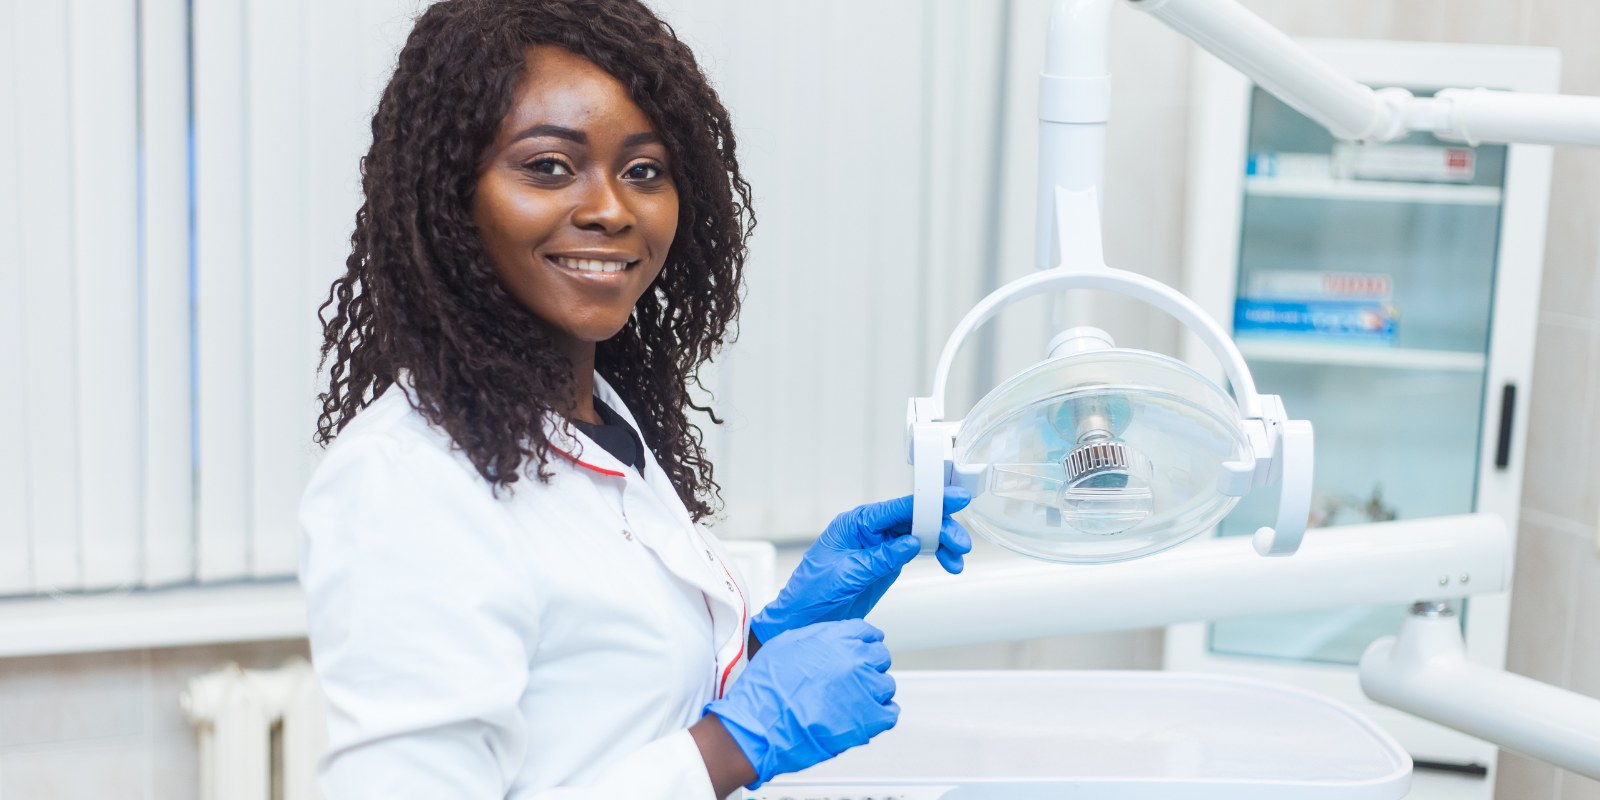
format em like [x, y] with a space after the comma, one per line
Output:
[420, 300]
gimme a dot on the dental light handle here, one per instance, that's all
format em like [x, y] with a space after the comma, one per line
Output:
[1295, 448]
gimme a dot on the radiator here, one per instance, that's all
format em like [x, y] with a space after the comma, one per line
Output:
[261, 731]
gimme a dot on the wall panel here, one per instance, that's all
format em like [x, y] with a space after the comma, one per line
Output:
[168, 389]
[46, 241]
[867, 132]
[222, 324]
[105, 220]
[278, 382]
[16, 573]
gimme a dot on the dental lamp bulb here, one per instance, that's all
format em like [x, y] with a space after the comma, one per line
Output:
[1107, 489]
[1107, 486]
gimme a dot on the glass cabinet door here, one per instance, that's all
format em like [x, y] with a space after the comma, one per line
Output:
[1365, 290]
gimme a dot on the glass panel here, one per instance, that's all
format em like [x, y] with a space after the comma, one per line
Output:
[1366, 277]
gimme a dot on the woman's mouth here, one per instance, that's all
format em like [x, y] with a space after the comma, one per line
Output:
[591, 264]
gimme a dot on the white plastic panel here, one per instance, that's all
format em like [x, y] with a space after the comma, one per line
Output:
[15, 563]
[279, 385]
[45, 241]
[105, 199]
[221, 282]
[169, 554]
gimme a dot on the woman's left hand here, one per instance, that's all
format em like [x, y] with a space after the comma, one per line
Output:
[855, 560]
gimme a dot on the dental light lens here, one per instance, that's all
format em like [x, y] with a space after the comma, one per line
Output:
[1099, 456]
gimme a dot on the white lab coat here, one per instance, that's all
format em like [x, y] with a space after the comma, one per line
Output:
[553, 642]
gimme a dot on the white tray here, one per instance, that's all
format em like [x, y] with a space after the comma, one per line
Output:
[1114, 735]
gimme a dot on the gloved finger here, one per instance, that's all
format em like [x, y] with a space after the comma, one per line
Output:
[874, 655]
[954, 542]
[954, 536]
[952, 562]
[864, 567]
[955, 499]
[856, 629]
[886, 718]
[880, 521]
[880, 686]
[893, 517]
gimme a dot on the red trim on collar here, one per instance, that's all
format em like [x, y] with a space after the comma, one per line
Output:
[602, 470]
[744, 630]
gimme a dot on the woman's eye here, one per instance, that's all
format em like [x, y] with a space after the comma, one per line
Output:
[643, 172]
[550, 166]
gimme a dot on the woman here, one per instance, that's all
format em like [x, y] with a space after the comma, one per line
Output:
[510, 592]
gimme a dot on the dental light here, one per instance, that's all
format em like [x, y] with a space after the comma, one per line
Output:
[1100, 453]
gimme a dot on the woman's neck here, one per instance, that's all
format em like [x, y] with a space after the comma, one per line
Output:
[581, 354]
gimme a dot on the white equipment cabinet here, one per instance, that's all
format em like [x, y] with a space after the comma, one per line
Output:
[1389, 294]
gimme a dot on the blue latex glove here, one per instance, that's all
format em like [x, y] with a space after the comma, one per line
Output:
[852, 564]
[809, 695]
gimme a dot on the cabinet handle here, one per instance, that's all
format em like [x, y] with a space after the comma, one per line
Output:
[1508, 407]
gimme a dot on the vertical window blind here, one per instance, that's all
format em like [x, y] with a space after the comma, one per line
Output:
[177, 185]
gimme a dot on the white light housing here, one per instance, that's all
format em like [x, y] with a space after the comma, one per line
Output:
[1100, 453]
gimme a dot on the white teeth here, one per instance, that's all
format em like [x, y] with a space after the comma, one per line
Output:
[592, 265]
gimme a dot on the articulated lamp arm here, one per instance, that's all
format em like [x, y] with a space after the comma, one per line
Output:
[1353, 111]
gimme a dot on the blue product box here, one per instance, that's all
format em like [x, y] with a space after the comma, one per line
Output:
[1358, 321]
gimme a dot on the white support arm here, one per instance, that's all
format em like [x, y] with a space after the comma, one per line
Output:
[1353, 111]
[1387, 562]
[1276, 63]
[1109, 280]
[1074, 105]
[1425, 672]
[1481, 115]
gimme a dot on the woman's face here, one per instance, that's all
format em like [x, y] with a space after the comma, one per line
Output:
[575, 203]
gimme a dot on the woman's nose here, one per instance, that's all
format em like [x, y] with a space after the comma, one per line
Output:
[603, 208]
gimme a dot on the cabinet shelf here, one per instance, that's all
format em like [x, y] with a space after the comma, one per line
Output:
[1352, 356]
[1375, 191]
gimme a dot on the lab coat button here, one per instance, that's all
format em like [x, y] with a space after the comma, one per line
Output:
[627, 534]
[730, 585]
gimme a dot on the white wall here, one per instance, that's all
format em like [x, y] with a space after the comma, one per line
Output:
[869, 134]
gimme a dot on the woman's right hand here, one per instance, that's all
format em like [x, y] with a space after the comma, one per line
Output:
[809, 695]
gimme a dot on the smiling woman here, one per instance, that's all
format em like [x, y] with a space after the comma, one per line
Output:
[576, 207]
[514, 135]
[551, 244]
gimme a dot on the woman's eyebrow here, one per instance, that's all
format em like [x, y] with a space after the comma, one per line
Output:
[648, 137]
[554, 130]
